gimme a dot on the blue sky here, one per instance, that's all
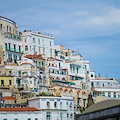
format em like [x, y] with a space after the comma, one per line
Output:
[92, 26]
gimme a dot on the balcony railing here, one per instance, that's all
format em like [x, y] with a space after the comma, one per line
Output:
[14, 50]
[12, 36]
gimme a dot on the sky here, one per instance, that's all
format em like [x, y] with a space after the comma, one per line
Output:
[92, 26]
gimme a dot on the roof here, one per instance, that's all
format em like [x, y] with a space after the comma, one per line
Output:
[34, 56]
[103, 105]
[19, 109]
[9, 98]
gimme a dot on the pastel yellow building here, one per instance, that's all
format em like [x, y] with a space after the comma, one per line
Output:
[7, 81]
[8, 26]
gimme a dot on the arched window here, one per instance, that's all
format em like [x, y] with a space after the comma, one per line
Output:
[48, 116]
[48, 104]
[71, 115]
[55, 104]
[103, 85]
[109, 95]
[114, 94]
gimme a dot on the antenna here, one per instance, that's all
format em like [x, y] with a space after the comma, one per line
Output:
[106, 75]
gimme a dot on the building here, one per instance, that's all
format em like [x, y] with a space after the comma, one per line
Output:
[54, 108]
[107, 87]
[25, 113]
[10, 40]
[37, 43]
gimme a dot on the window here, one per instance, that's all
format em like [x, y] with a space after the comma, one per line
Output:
[60, 116]
[91, 75]
[13, 30]
[9, 46]
[2, 82]
[109, 95]
[10, 29]
[29, 118]
[15, 118]
[34, 48]
[1, 26]
[26, 48]
[66, 54]
[103, 85]
[71, 115]
[67, 104]
[7, 28]
[43, 50]
[39, 49]
[103, 93]
[10, 82]
[73, 68]
[6, 46]
[4, 119]
[30, 48]
[34, 40]
[48, 104]
[67, 115]
[60, 104]
[48, 115]
[14, 47]
[50, 43]
[43, 42]
[55, 104]
[39, 41]
[77, 69]
[114, 94]
[15, 58]
[50, 53]
[36, 118]
[25, 40]
[19, 49]
[10, 57]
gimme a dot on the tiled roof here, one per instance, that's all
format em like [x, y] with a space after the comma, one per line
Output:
[34, 56]
[19, 109]
[9, 98]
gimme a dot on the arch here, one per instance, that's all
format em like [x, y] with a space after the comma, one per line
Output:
[63, 78]
[55, 104]
[57, 78]
[48, 104]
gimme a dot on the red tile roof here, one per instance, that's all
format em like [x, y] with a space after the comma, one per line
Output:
[34, 56]
[9, 98]
[20, 109]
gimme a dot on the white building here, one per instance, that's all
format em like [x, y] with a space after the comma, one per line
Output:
[20, 114]
[107, 87]
[37, 43]
[54, 108]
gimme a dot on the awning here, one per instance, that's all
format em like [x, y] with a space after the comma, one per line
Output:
[65, 89]
[70, 90]
[60, 88]
[78, 91]
[83, 92]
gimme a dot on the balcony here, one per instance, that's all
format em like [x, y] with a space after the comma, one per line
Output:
[12, 36]
[14, 50]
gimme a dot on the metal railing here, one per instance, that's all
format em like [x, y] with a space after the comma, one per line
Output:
[14, 50]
